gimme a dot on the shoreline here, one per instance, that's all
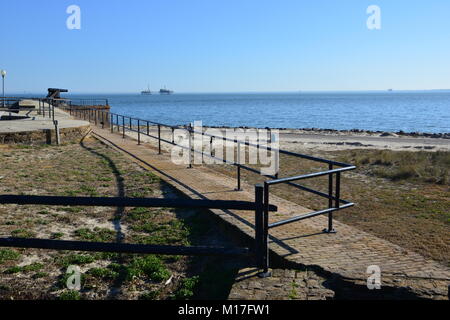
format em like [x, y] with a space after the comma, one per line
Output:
[306, 141]
[380, 133]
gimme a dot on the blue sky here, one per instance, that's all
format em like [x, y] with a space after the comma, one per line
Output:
[225, 45]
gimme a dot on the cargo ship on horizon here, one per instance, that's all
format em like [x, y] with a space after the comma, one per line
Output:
[146, 92]
[165, 91]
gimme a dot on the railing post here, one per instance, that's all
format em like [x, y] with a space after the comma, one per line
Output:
[224, 141]
[259, 198]
[276, 154]
[112, 122]
[203, 152]
[159, 139]
[211, 142]
[238, 174]
[338, 193]
[190, 147]
[57, 134]
[123, 127]
[148, 128]
[139, 131]
[330, 200]
[53, 111]
[173, 135]
[265, 235]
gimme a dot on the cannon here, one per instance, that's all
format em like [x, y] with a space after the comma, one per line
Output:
[54, 93]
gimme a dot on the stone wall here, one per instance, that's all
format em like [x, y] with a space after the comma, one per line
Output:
[45, 136]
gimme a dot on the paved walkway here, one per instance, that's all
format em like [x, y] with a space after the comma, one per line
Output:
[37, 122]
[345, 255]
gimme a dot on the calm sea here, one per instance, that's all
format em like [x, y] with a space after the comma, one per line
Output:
[427, 111]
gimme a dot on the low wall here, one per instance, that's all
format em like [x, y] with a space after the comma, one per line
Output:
[44, 136]
[97, 114]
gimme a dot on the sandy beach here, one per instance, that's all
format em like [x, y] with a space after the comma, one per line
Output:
[343, 140]
[301, 140]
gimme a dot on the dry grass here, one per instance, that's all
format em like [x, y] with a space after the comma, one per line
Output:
[432, 167]
[93, 169]
[411, 210]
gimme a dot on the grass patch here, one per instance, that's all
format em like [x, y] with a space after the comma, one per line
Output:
[7, 255]
[74, 259]
[293, 292]
[56, 235]
[103, 273]
[186, 289]
[70, 295]
[96, 235]
[142, 214]
[29, 268]
[23, 233]
[149, 266]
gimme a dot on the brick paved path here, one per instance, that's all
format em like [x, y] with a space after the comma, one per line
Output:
[282, 285]
[346, 254]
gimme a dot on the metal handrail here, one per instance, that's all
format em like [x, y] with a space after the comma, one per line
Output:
[88, 102]
[310, 175]
[129, 202]
[308, 215]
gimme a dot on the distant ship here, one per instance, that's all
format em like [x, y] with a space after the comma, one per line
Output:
[390, 90]
[165, 91]
[146, 92]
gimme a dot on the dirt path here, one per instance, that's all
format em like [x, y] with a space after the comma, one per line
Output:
[345, 255]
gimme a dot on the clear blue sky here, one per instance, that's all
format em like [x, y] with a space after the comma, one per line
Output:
[225, 45]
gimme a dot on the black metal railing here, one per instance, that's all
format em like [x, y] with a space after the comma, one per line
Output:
[124, 124]
[45, 106]
[133, 202]
[7, 102]
[88, 102]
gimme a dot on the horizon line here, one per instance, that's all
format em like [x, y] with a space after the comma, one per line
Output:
[239, 92]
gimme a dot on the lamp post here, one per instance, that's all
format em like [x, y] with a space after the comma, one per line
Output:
[3, 72]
